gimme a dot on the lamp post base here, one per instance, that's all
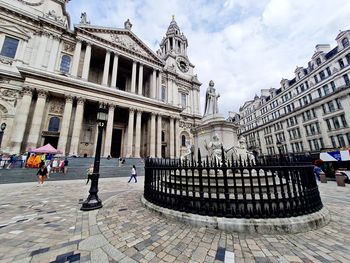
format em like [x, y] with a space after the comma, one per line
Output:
[91, 203]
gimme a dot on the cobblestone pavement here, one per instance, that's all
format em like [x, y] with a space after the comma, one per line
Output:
[44, 224]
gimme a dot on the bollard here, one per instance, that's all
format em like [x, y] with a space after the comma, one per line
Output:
[339, 178]
[323, 177]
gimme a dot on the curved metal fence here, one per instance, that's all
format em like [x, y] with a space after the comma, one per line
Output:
[232, 189]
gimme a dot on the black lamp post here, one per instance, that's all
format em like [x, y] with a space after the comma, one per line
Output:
[2, 128]
[93, 202]
[279, 147]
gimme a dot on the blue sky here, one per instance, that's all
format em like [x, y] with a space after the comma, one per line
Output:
[243, 46]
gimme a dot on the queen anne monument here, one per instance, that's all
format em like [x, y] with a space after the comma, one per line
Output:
[214, 130]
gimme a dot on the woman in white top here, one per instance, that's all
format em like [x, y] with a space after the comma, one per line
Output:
[133, 174]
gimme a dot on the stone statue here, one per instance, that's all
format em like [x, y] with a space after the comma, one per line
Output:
[241, 152]
[188, 151]
[83, 19]
[214, 148]
[211, 100]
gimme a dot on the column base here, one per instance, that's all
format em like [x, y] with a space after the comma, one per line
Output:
[91, 203]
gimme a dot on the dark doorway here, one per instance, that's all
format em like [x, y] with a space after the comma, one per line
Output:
[51, 140]
[116, 142]
[163, 150]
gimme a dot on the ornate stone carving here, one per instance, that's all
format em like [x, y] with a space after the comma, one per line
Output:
[132, 110]
[127, 24]
[111, 106]
[185, 125]
[31, 2]
[127, 42]
[56, 107]
[53, 16]
[68, 47]
[9, 95]
[5, 60]
[27, 91]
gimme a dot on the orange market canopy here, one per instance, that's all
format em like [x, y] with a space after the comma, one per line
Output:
[48, 148]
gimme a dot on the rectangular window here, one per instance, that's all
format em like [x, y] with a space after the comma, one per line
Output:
[183, 100]
[329, 126]
[328, 71]
[331, 106]
[319, 93]
[324, 109]
[346, 79]
[337, 101]
[322, 75]
[333, 86]
[348, 58]
[341, 63]
[343, 121]
[163, 95]
[326, 90]
[334, 144]
[316, 79]
[341, 140]
[336, 122]
[348, 137]
[9, 47]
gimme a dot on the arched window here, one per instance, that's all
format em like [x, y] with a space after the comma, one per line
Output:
[318, 61]
[183, 140]
[65, 63]
[345, 42]
[54, 124]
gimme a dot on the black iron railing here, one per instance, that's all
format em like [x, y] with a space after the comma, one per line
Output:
[233, 189]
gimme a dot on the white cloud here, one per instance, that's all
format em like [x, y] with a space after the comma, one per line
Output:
[244, 46]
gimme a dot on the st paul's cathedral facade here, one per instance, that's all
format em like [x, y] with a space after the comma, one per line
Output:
[53, 79]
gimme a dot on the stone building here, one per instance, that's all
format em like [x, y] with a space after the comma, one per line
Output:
[306, 113]
[54, 78]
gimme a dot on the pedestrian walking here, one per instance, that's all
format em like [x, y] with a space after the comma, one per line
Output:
[42, 174]
[133, 174]
[48, 166]
[61, 166]
[65, 168]
[55, 165]
[317, 172]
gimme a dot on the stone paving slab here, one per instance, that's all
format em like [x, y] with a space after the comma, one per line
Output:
[44, 224]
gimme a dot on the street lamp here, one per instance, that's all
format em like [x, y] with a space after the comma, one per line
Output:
[2, 128]
[93, 202]
[279, 147]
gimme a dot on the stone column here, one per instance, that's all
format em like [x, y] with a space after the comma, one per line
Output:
[20, 121]
[175, 94]
[140, 86]
[159, 85]
[177, 137]
[133, 77]
[115, 70]
[171, 137]
[76, 59]
[159, 136]
[53, 54]
[62, 141]
[109, 131]
[35, 128]
[86, 66]
[130, 132]
[78, 121]
[106, 68]
[170, 92]
[154, 84]
[153, 135]
[138, 134]
[41, 50]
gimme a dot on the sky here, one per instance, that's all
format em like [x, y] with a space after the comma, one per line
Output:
[242, 45]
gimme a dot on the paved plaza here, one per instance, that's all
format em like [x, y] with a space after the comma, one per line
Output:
[44, 224]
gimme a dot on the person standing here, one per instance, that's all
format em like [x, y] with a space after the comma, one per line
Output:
[24, 160]
[42, 174]
[61, 166]
[54, 165]
[65, 168]
[133, 174]
[48, 167]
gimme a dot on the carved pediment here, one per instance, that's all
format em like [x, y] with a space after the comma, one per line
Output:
[124, 39]
[14, 30]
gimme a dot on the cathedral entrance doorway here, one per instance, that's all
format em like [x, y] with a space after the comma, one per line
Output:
[116, 143]
[51, 140]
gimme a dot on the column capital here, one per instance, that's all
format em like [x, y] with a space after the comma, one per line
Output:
[153, 114]
[108, 51]
[116, 54]
[27, 91]
[132, 109]
[81, 100]
[42, 93]
[79, 39]
[111, 106]
[139, 111]
[69, 98]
